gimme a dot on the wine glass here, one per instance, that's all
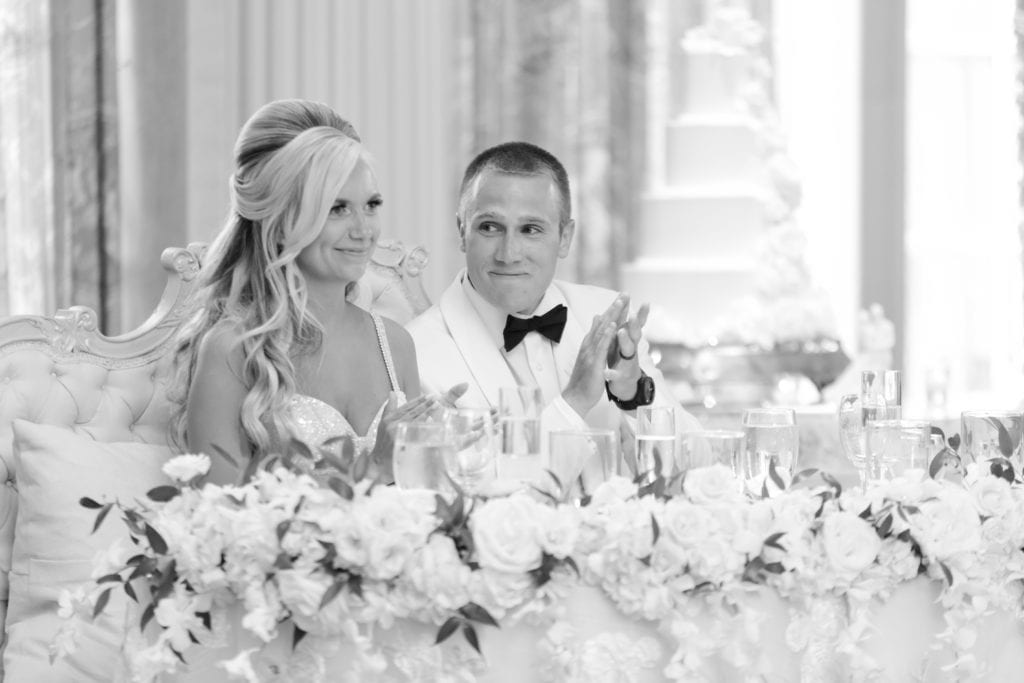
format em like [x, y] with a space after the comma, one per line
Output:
[471, 463]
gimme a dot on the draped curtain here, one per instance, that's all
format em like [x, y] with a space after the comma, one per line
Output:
[567, 75]
[59, 170]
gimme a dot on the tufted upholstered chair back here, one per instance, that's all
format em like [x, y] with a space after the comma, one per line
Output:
[62, 371]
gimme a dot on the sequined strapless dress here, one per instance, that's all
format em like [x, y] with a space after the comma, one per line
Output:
[317, 421]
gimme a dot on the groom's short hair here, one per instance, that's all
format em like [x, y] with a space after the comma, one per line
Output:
[518, 158]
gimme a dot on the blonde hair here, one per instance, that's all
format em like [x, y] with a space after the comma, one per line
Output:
[291, 160]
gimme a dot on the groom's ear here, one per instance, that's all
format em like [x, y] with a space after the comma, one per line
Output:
[462, 233]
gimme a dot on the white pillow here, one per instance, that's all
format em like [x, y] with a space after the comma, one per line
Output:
[54, 547]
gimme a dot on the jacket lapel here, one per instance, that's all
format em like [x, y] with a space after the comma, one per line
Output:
[572, 338]
[476, 346]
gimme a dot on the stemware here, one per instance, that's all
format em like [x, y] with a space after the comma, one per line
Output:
[880, 398]
[471, 463]
[655, 440]
[894, 447]
[989, 434]
[519, 410]
[709, 447]
[582, 459]
[771, 436]
[421, 450]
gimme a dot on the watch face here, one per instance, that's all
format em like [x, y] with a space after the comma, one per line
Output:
[645, 391]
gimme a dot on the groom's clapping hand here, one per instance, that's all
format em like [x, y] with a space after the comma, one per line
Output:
[623, 360]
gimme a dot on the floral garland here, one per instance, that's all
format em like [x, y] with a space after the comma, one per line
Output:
[333, 562]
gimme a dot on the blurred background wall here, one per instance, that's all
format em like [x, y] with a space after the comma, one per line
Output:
[117, 120]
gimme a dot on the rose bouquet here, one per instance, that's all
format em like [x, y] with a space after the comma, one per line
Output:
[326, 560]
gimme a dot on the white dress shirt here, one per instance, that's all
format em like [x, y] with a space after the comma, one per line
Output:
[533, 361]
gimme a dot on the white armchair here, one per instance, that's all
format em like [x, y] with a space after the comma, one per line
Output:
[80, 410]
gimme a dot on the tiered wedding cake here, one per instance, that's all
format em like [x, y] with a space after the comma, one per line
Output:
[719, 257]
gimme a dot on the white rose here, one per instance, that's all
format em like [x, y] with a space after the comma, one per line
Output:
[993, 496]
[613, 490]
[498, 591]
[185, 468]
[438, 573]
[505, 534]
[302, 590]
[948, 525]
[558, 529]
[714, 484]
[851, 544]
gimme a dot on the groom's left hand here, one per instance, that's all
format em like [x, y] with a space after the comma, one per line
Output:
[623, 360]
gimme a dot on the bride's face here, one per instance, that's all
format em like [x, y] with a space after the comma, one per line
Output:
[344, 246]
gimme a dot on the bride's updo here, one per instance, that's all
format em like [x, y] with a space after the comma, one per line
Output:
[292, 158]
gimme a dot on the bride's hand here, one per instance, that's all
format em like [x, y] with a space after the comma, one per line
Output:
[417, 409]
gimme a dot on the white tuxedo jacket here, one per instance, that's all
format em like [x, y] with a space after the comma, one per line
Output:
[453, 346]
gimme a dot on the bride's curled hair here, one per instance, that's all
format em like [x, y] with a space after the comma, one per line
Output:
[292, 158]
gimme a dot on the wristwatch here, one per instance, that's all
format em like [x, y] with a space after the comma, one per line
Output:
[644, 393]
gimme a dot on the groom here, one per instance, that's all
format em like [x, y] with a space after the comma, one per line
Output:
[506, 321]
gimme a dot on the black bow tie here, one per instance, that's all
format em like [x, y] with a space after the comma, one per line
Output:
[550, 325]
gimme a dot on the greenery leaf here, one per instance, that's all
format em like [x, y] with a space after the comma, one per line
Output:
[773, 473]
[475, 612]
[1002, 468]
[470, 633]
[147, 615]
[773, 540]
[101, 603]
[156, 541]
[101, 516]
[341, 487]
[954, 442]
[655, 529]
[297, 635]
[87, 502]
[447, 629]
[129, 591]
[162, 494]
[948, 574]
[108, 578]
[1006, 445]
[332, 592]
[937, 430]
[251, 468]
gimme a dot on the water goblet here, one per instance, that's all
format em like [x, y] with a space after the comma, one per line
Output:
[421, 450]
[771, 437]
[519, 410]
[894, 447]
[582, 460]
[992, 434]
[655, 441]
[470, 464]
[710, 447]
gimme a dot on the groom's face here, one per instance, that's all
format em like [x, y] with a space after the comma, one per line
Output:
[512, 238]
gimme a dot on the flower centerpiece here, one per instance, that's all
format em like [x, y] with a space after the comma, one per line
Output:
[320, 565]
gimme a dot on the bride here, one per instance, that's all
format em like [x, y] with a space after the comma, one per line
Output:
[276, 349]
